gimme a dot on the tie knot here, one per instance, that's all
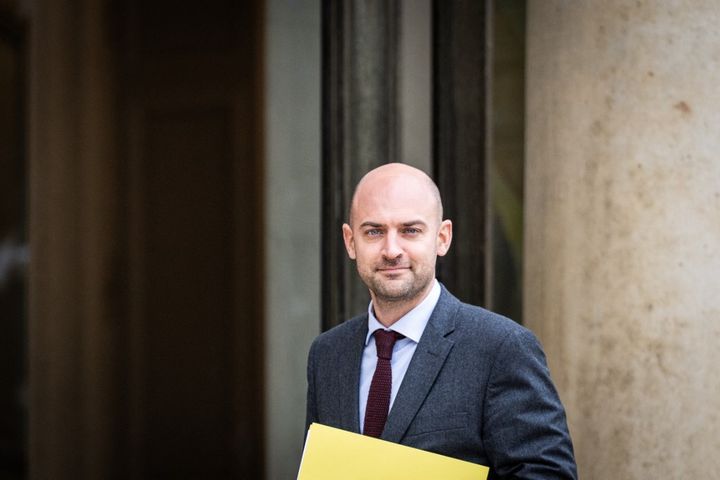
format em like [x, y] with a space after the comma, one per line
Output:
[384, 342]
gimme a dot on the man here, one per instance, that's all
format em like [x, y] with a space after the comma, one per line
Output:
[421, 368]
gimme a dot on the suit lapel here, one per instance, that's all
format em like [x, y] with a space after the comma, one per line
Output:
[424, 367]
[349, 375]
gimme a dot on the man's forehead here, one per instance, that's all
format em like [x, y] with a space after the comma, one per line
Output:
[393, 189]
[383, 211]
[395, 192]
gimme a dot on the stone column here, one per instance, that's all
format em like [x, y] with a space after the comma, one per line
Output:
[623, 228]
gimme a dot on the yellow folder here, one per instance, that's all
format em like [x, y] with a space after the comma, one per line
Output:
[333, 454]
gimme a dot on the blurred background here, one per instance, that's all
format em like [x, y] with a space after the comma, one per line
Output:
[173, 177]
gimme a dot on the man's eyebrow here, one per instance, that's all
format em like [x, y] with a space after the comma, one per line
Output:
[371, 224]
[404, 224]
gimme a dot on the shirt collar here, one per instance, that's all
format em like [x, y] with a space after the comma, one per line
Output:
[412, 324]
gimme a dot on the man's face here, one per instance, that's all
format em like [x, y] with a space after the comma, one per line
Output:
[396, 236]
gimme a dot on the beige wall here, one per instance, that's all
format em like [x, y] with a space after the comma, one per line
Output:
[623, 228]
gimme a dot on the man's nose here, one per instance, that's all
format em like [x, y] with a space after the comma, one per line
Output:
[391, 248]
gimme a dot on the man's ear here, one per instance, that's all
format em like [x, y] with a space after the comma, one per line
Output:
[444, 238]
[349, 240]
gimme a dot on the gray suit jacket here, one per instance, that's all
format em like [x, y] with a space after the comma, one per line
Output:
[477, 388]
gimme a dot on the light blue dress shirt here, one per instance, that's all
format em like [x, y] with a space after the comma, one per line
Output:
[411, 325]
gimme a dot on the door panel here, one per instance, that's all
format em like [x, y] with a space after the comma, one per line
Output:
[192, 123]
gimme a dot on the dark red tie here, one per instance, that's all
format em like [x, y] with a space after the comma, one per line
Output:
[378, 401]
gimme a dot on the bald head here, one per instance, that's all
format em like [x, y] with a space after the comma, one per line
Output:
[398, 177]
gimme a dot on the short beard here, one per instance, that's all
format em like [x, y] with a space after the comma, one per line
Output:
[409, 294]
[405, 293]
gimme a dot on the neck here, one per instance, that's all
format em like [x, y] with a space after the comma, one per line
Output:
[388, 312]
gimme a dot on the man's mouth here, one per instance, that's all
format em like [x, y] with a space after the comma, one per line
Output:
[393, 269]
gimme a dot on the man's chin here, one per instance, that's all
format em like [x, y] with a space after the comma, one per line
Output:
[394, 293]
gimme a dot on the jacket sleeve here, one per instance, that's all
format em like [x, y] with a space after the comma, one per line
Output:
[311, 406]
[524, 425]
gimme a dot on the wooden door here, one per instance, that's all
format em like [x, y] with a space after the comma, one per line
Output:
[190, 83]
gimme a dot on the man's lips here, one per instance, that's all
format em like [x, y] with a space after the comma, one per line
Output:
[393, 269]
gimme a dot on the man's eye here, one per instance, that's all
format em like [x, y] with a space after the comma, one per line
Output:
[373, 232]
[411, 231]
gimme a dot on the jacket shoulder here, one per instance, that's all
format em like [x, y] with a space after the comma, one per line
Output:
[339, 335]
[488, 326]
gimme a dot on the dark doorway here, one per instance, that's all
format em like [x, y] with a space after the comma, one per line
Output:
[13, 251]
[145, 297]
[478, 139]
[190, 89]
